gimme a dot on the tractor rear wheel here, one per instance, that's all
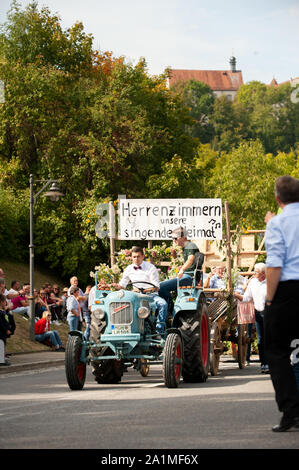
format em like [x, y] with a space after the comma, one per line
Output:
[75, 369]
[172, 360]
[195, 331]
[109, 371]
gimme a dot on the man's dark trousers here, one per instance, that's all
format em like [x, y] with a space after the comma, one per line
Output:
[281, 327]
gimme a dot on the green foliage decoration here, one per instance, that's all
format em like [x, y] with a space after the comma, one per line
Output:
[107, 275]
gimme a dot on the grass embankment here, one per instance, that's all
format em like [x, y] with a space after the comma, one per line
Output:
[20, 341]
[15, 271]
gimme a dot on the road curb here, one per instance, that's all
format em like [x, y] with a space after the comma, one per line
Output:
[30, 366]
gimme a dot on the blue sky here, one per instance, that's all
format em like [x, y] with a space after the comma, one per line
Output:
[191, 34]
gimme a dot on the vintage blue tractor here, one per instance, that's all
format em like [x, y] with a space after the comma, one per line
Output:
[123, 334]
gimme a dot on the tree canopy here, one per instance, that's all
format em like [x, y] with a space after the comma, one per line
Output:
[100, 125]
[105, 127]
[199, 99]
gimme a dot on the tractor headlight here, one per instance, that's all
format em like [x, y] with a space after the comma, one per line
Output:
[143, 312]
[98, 313]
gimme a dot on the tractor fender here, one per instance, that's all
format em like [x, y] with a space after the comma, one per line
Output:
[77, 333]
[178, 332]
[174, 330]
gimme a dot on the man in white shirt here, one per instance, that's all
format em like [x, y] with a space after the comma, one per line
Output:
[74, 283]
[14, 290]
[139, 271]
[256, 291]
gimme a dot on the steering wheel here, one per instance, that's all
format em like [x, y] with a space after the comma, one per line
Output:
[141, 282]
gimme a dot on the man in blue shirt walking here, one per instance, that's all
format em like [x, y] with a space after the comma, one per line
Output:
[282, 300]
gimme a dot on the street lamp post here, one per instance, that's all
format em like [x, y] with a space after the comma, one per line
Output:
[54, 194]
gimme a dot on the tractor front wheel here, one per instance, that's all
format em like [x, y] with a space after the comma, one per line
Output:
[173, 360]
[75, 369]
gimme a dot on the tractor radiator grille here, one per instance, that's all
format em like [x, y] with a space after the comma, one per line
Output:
[121, 313]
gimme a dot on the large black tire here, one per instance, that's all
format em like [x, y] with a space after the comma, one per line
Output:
[109, 371]
[195, 331]
[75, 369]
[172, 360]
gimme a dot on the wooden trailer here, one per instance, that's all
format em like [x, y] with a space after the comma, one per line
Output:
[229, 318]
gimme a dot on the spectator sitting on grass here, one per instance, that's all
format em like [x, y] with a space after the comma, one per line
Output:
[14, 290]
[57, 307]
[26, 289]
[51, 302]
[40, 304]
[43, 332]
[20, 304]
[2, 286]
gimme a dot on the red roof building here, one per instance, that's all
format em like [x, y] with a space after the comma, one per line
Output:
[221, 82]
[273, 83]
[292, 81]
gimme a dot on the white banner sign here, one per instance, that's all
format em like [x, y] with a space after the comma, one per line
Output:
[155, 219]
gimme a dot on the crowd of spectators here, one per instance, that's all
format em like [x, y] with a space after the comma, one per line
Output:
[53, 305]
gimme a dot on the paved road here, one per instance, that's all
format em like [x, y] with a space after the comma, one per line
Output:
[234, 410]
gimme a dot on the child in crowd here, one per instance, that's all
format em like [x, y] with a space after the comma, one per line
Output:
[4, 330]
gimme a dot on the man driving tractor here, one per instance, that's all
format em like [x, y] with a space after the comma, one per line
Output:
[139, 271]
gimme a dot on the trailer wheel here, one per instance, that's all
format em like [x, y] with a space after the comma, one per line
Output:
[195, 331]
[215, 349]
[144, 367]
[75, 369]
[172, 360]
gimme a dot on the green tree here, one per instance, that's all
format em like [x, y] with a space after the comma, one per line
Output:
[271, 115]
[230, 124]
[245, 178]
[14, 233]
[189, 179]
[199, 99]
[101, 126]
[34, 36]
